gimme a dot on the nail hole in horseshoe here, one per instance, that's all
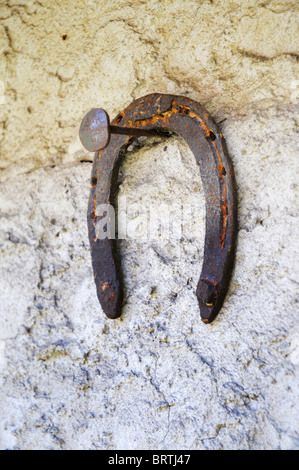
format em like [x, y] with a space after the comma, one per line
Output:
[184, 110]
[118, 119]
[211, 136]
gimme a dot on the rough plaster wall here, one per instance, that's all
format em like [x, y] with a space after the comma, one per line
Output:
[157, 378]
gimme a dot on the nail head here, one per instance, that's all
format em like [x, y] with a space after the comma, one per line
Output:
[94, 130]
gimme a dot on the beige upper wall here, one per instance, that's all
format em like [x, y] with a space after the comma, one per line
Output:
[60, 59]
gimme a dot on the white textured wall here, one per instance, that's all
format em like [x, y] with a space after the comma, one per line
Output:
[157, 378]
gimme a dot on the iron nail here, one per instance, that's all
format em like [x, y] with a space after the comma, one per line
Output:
[95, 130]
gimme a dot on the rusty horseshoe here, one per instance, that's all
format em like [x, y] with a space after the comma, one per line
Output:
[151, 115]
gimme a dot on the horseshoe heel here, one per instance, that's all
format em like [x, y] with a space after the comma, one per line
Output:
[148, 115]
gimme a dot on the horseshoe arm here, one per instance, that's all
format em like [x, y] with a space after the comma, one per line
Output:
[189, 119]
